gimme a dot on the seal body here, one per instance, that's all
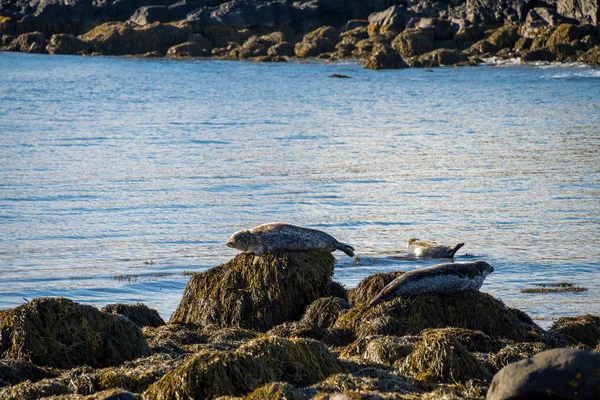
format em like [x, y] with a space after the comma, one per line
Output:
[443, 279]
[279, 236]
[426, 249]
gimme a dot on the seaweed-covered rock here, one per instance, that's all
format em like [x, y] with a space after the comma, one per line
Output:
[566, 33]
[280, 390]
[591, 57]
[324, 312]
[66, 44]
[470, 309]
[365, 383]
[61, 333]
[413, 42]
[441, 357]
[381, 349]
[13, 372]
[188, 49]
[384, 57]
[256, 292]
[297, 361]
[211, 374]
[505, 36]
[139, 314]
[370, 286]
[442, 57]
[32, 42]
[558, 373]
[319, 41]
[584, 329]
[300, 329]
[481, 47]
[281, 49]
[516, 351]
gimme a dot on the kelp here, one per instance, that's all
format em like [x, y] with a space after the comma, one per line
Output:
[584, 329]
[139, 314]
[370, 286]
[324, 312]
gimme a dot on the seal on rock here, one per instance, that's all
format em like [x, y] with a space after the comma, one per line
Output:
[442, 278]
[426, 249]
[277, 236]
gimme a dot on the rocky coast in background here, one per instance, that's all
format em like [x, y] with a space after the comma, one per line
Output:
[383, 34]
[277, 327]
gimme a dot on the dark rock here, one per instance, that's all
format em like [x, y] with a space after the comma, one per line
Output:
[497, 12]
[244, 14]
[584, 11]
[384, 57]
[324, 312]
[413, 42]
[392, 19]
[563, 52]
[139, 314]
[316, 42]
[33, 42]
[150, 14]
[588, 42]
[5, 40]
[268, 58]
[356, 34]
[591, 57]
[516, 351]
[481, 47]
[66, 44]
[543, 54]
[522, 44]
[442, 57]
[505, 36]
[356, 23]
[584, 329]
[537, 19]
[281, 49]
[468, 35]
[558, 373]
[60, 333]
[340, 76]
[442, 28]
[13, 372]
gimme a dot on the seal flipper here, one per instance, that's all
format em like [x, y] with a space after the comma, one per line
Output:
[345, 248]
[454, 249]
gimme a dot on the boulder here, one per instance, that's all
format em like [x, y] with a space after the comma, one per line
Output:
[60, 333]
[505, 36]
[523, 44]
[497, 12]
[392, 19]
[441, 58]
[256, 292]
[537, 19]
[543, 54]
[442, 28]
[384, 57]
[243, 14]
[563, 52]
[381, 349]
[413, 42]
[13, 372]
[283, 49]
[591, 57]
[584, 11]
[566, 33]
[583, 329]
[557, 373]
[33, 42]
[481, 47]
[516, 351]
[150, 14]
[468, 35]
[66, 44]
[139, 314]
[324, 312]
[322, 40]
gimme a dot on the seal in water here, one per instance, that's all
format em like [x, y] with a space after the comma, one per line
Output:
[278, 236]
[426, 249]
[442, 278]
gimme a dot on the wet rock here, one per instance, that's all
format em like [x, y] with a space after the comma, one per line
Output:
[584, 11]
[584, 329]
[384, 57]
[281, 49]
[558, 373]
[324, 312]
[257, 46]
[188, 49]
[297, 329]
[543, 54]
[150, 14]
[33, 42]
[505, 36]
[139, 314]
[442, 57]
[468, 35]
[481, 47]
[413, 42]
[441, 357]
[256, 292]
[364, 383]
[316, 42]
[66, 44]
[392, 19]
[563, 52]
[60, 333]
[591, 57]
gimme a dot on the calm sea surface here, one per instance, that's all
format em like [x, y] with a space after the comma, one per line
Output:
[117, 175]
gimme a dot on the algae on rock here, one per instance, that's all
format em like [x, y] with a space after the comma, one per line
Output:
[256, 292]
[139, 314]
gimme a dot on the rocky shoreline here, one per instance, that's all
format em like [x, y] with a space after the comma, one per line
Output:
[387, 34]
[277, 327]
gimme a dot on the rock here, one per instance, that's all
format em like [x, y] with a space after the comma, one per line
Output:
[591, 57]
[244, 14]
[255, 292]
[468, 35]
[442, 57]
[370, 286]
[354, 35]
[298, 361]
[319, 41]
[366, 383]
[442, 28]
[356, 23]
[139, 314]
[297, 329]
[392, 19]
[584, 329]
[538, 19]
[440, 357]
[324, 312]
[257, 46]
[382, 349]
[150, 14]
[505, 36]
[13, 372]
[496, 12]
[584, 11]
[121, 38]
[413, 42]
[384, 57]
[281, 49]
[66, 44]
[224, 36]
[471, 309]
[523, 44]
[59, 333]
[558, 373]
[481, 47]
[563, 52]
[543, 54]
[33, 42]
[566, 33]
[5, 40]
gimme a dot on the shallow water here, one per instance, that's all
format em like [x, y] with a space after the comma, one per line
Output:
[119, 174]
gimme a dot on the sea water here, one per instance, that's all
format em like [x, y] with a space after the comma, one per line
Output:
[118, 176]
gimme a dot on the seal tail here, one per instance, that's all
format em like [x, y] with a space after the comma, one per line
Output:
[454, 249]
[345, 248]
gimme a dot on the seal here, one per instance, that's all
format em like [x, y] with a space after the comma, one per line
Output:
[277, 236]
[442, 278]
[426, 249]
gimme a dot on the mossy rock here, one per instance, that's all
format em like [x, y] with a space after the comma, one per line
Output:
[566, 33]
[584, 329]
[298, 361]
[256, 292]
[470, 309]
[58, 332]
[505, 36]
[324, 312]
[440, 357]
[370, 286]
[210, 374]
[139, 314]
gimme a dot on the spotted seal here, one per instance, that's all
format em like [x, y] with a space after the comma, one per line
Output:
[279, 236]
[426, 249]
[442, 278]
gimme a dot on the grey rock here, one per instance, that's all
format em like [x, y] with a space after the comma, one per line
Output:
[557, 373]
[584, 11]
[150, 14]
[442, 28]
[66, 44]
[394, 18]
[497, 12]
